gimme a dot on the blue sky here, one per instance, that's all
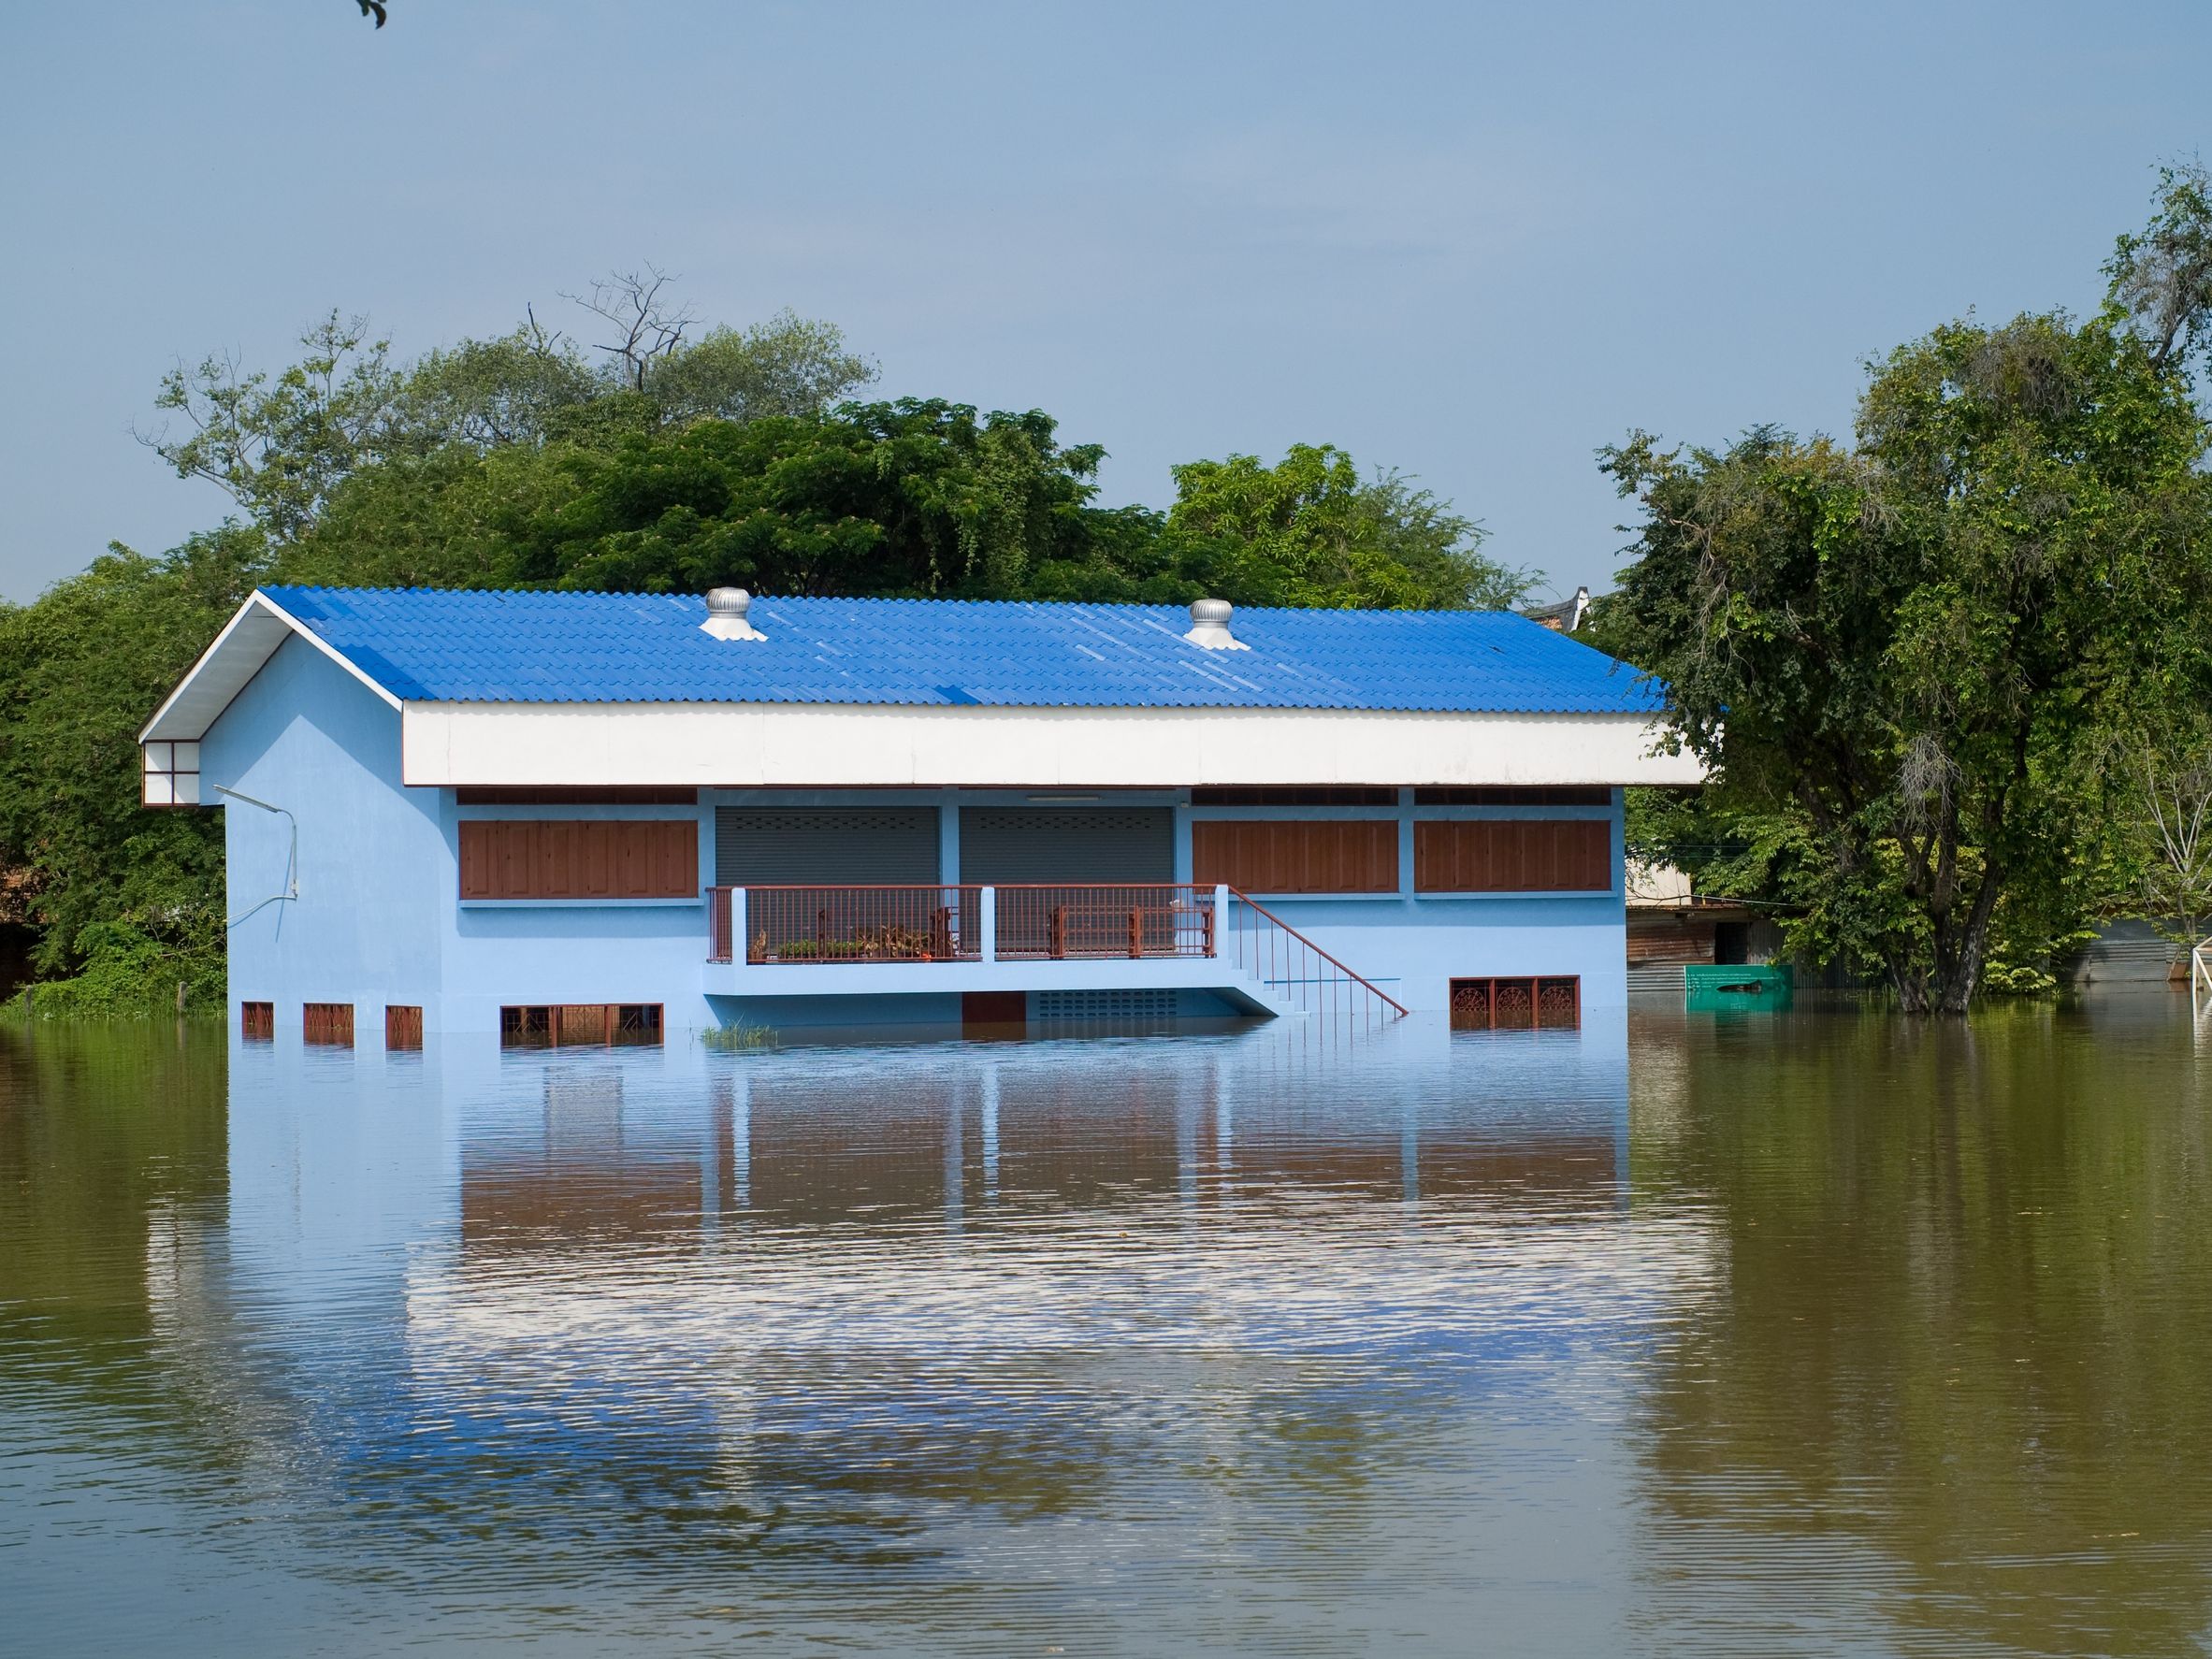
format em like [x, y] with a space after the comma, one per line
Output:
[1472, 242]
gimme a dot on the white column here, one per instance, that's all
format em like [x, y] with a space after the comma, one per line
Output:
[991, 924]
[738, 954]
[1221, 919]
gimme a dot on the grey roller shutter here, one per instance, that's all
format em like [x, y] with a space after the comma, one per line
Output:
[1066, 843]
[824, 847]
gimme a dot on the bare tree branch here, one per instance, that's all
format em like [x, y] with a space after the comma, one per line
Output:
[652, 331]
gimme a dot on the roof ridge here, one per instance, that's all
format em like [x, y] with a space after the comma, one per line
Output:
[762, 596]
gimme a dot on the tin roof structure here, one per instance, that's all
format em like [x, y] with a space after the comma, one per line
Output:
[435, 646]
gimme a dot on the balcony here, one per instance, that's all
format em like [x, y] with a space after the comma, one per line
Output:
[957, 937]
[806, 927]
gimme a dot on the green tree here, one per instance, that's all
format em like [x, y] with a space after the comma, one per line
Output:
[490, 393]
[1927, 646]
[80, 672]
[914, 498]
[2169, 856]
[278, 447]
[283, 445]
[789, 366]
[1310, 531]
[2162, 275]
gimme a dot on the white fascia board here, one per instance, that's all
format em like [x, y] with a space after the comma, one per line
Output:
[800, 745]
[241, 651]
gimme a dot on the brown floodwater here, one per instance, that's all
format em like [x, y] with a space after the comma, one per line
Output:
[1818, 1331]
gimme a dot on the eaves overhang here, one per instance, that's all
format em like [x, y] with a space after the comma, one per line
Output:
[224, 669]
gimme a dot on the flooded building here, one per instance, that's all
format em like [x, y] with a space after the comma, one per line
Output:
[595, 817]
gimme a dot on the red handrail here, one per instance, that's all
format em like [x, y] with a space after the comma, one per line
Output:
[878, 922]
[1075, 919]
[1322, 990]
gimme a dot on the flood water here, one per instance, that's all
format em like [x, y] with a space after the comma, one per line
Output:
[1813, 1332]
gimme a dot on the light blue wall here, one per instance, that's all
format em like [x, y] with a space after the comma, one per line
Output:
[306, 736]
[508, 951]
[1414, 944]
[379, 918]
[1413, 948]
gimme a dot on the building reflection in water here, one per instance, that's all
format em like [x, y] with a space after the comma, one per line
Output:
[574, 1295]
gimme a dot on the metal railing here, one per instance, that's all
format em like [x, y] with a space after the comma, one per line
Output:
[1072, 921]
[939, 923]
[953, 922]
[2200, 970]
[1299, 971]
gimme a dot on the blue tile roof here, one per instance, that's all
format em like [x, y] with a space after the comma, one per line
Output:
[439, 645]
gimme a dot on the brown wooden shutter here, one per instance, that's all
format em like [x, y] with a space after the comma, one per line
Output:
[1512, 855]
[580, 859]
[1297, 856]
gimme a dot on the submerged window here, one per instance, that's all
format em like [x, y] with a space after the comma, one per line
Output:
[171, 774]
[551, 1024]
[257, 1021]
[1107, 1004]
[403, 1026]
[328, 1023]
[1550, 1003]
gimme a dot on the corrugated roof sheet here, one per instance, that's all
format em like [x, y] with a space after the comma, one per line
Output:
[439, 645]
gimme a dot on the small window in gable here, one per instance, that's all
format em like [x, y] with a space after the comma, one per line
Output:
[171, 775]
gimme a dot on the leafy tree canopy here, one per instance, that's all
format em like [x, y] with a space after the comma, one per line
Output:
[79, 671]
[1924, 647]
[282, 446]
[1311, 531]
[914, 498]
[909, 499]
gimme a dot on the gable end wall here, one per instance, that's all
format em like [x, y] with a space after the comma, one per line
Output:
[375, 867]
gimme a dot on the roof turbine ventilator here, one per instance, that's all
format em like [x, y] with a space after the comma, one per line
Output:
[726, 615]
[1209, 626]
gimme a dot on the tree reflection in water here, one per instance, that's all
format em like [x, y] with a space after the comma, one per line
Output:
[1959, 1373]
